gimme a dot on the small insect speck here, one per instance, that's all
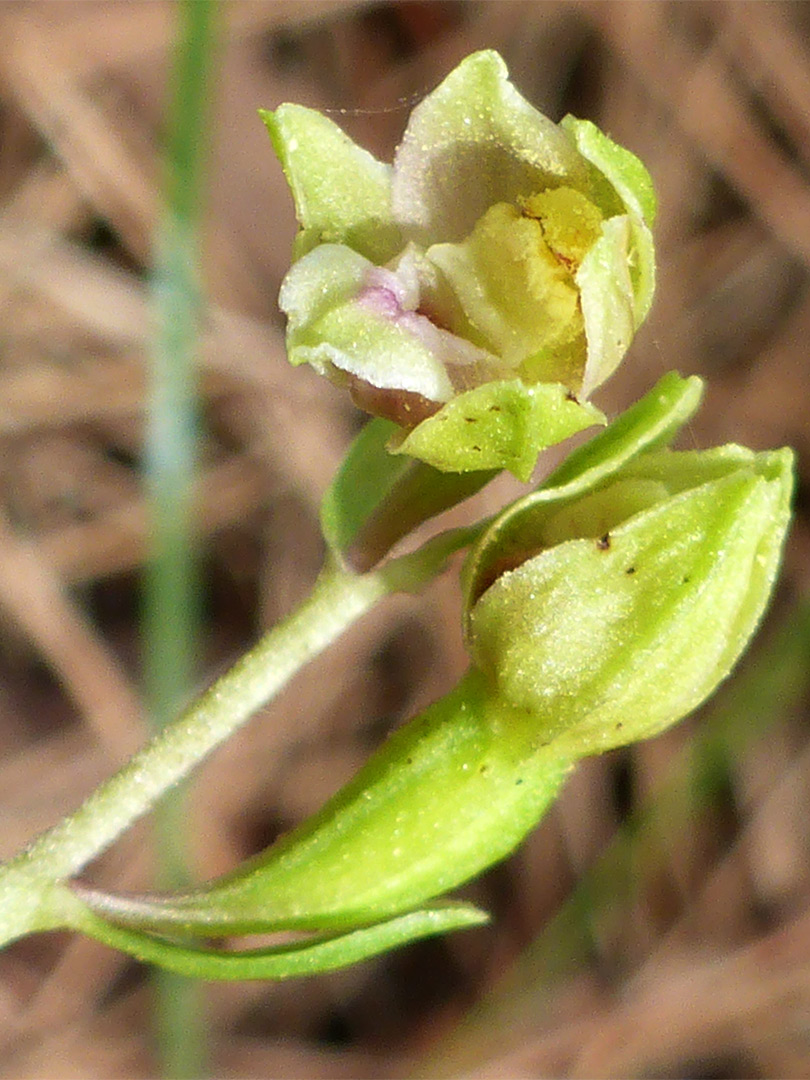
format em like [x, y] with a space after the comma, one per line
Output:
[630, 570]
[603, 543]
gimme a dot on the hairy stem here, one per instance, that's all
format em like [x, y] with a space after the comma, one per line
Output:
[29, 893]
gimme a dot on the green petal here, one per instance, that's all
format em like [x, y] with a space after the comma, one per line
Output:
[327, 277]
[475, 141]
[621, 167]
[371, 347]
[331, 329]
[608, 308]
[642, 269]
[342, 193]
[501, 425]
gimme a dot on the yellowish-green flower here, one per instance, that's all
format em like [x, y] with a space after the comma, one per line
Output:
[478, 290]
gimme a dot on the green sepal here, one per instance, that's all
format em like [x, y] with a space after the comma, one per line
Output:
[313, 956]
[619, 166]
[472, 142]
[342, 192]
[500, 425]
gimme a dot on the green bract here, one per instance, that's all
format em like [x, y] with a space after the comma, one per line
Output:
[477, 291]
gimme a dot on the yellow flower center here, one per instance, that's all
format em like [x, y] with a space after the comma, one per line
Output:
[513, 278]
[570, 222]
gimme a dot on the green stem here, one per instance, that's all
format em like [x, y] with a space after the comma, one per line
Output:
[29, 900]
[171, 621]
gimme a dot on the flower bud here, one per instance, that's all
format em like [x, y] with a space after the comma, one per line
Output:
[477, 291]
[613, 612]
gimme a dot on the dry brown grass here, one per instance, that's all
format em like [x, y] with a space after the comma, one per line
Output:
[706, 969]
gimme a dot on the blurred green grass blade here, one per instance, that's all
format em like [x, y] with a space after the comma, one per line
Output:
[170, 619]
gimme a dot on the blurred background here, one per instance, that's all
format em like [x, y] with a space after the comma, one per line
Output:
[657, 923]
